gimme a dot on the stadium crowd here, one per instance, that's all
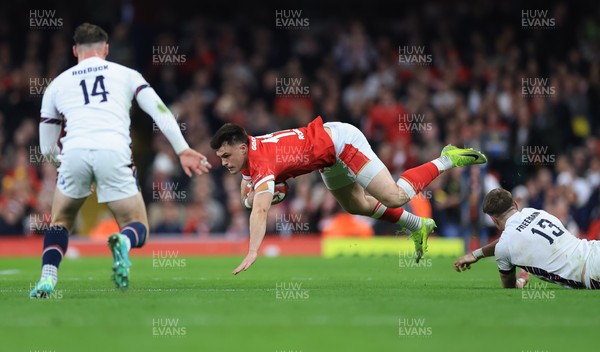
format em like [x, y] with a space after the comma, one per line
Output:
[527, 96]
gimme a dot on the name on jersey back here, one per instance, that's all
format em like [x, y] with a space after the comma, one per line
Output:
[90, 69]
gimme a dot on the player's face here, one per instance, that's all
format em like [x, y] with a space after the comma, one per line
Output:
[233, 157]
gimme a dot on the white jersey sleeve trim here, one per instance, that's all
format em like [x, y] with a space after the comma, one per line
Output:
[266, 179]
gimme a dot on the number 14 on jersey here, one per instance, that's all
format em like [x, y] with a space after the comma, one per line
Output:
[97, 89]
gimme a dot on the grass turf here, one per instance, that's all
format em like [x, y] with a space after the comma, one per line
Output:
[290, 304]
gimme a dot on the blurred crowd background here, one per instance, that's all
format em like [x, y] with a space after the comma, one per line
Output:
[527, 93]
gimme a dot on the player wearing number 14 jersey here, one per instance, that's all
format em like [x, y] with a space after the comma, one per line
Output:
[91, 102]
[347, 165]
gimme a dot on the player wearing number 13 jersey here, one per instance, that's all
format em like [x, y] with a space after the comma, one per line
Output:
[347, 164]
[537, 242]
[91, 102]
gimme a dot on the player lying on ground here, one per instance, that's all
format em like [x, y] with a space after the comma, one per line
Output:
[538, 243]
[347, 165]
[91, 101]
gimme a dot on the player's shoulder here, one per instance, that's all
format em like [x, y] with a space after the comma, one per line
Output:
[57, 82]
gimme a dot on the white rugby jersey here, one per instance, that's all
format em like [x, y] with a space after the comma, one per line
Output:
[93, 98]
[539, 243]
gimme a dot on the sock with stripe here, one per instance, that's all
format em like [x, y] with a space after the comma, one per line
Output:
[135, 233]
[56, 242]
[396, 216]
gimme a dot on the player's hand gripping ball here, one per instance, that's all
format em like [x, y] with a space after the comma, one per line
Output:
[281, 190]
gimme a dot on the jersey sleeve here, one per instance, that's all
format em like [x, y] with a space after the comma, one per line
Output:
[137, 82]
[503, 257]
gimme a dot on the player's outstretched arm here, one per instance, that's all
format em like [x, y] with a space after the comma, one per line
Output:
[464, 263]
[258, 223]
[190, 160]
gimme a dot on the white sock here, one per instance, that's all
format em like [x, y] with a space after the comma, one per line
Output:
[407, 188]
[50, 270]
[443, 163]
[127, 243]
[410, 221]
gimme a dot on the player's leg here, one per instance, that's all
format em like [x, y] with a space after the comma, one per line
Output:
[353, 198]
[73, 187]
[117, 186]
[132, 218]
[360, 163]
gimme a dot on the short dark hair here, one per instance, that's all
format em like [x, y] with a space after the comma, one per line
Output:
[230, 134]
[87, 33]
[497, 202]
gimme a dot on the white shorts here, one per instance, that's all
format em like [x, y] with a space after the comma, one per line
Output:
[111, 171]
[356, 161]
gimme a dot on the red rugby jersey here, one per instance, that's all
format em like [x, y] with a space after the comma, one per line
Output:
[289, 153]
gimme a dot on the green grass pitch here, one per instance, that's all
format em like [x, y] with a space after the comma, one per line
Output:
[290, 304]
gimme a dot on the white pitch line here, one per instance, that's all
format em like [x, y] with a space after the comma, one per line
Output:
[149, 290]
[10, 272]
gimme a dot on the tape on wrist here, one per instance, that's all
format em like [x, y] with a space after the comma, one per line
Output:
[478, 253]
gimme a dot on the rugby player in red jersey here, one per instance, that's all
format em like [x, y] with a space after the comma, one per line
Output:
[347, 165]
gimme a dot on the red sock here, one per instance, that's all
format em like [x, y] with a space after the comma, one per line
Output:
[384, 213]
[421, 176]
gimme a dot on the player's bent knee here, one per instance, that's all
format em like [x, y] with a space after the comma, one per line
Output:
[393, 201]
